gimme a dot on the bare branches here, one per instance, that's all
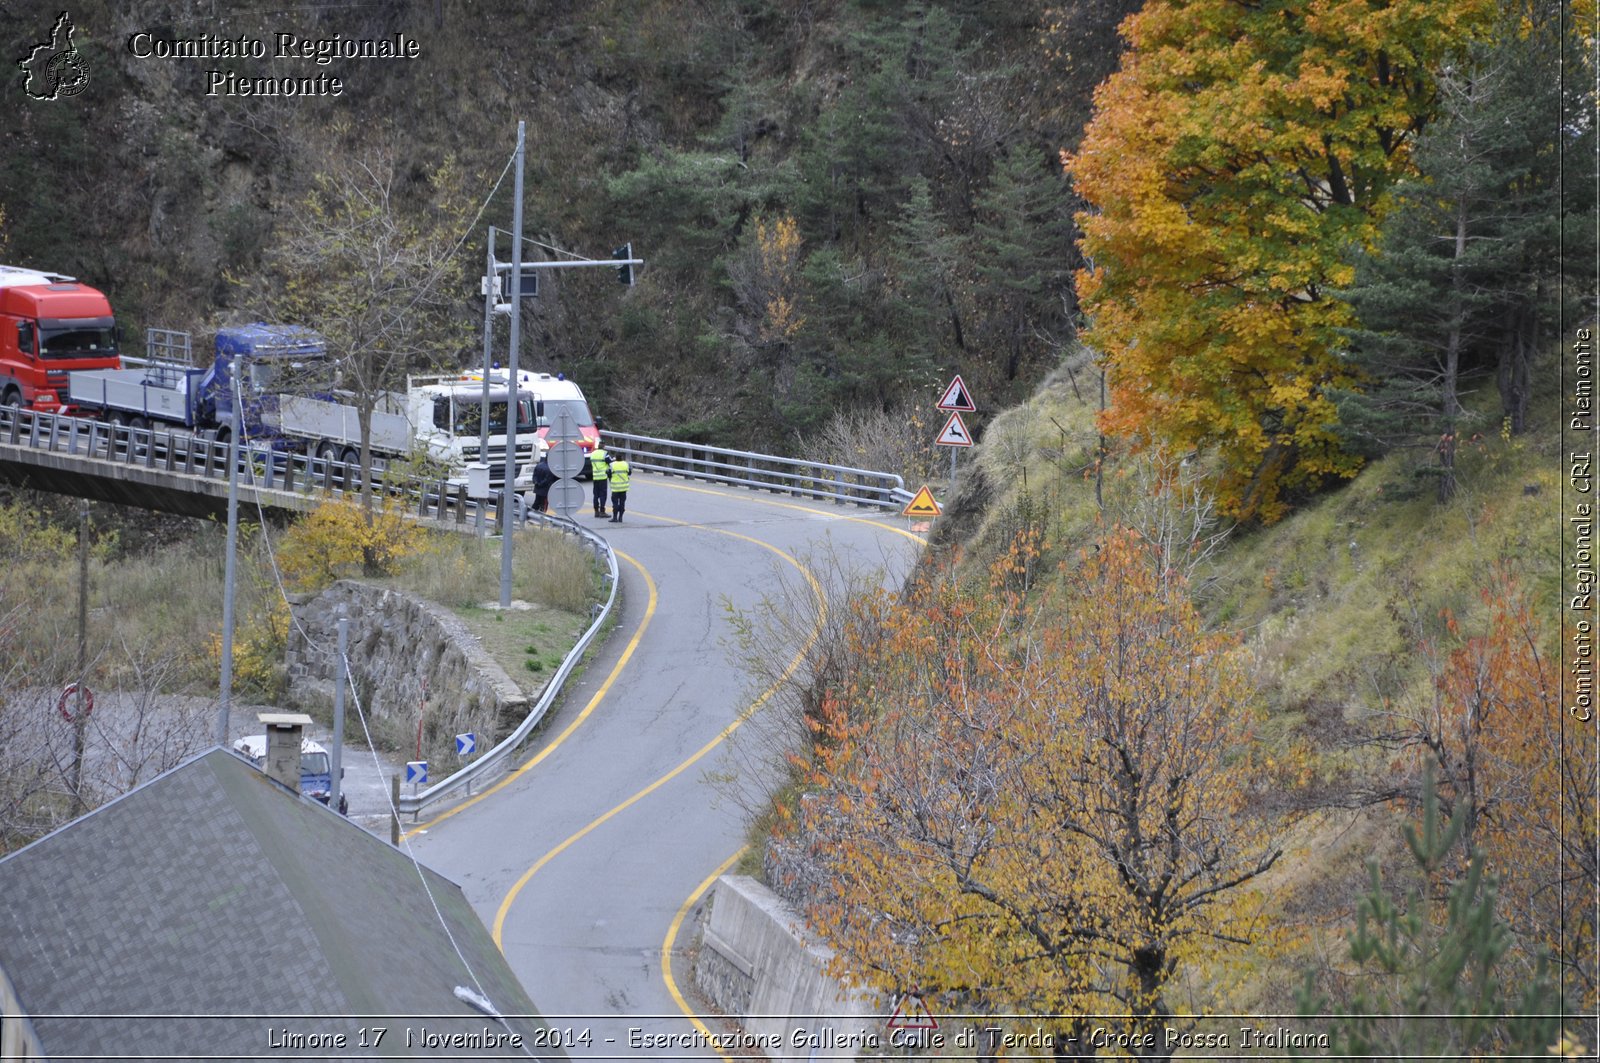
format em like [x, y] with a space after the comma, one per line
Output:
[1032, 816]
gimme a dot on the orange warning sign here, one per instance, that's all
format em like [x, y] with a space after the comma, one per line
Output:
[912, 1014]
[921, 505]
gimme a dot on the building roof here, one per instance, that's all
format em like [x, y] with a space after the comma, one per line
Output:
[211, 909]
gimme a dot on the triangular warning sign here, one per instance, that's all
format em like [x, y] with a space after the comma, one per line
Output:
[956, 397]
[955, 432]
[912, 1014]
[921, 505]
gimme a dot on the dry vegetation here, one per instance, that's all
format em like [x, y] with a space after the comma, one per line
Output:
[1358, 613]
[154, 617]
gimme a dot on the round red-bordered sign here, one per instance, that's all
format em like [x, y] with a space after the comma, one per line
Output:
[66, 694]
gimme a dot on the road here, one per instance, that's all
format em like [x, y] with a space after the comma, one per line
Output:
[582, 862]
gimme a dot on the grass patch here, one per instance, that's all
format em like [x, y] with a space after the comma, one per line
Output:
[555, 583]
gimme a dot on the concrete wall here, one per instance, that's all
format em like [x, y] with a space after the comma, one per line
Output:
[757, 965]
[396, 642]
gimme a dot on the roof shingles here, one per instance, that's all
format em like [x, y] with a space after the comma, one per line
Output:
[226, 905]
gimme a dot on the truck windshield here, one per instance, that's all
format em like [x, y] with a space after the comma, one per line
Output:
[467, 419]
[550, 409]
[270, 375]
[315, 764]
[73, 342]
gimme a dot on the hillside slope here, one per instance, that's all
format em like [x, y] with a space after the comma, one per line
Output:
[1349, 607]
[838, 203]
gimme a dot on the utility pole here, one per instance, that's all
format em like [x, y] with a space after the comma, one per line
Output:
[512, 393]
[80, 720]
[341, 679]
[490, 279]
[225, 699]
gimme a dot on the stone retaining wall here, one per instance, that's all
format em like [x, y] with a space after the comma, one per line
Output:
[397, 643]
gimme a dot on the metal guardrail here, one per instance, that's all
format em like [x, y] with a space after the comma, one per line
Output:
[178, 451]
[770, 472]
[183, 453]
[495, 757]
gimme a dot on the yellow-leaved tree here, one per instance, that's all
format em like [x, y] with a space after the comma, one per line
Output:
[1232, 164]
[1035, 816]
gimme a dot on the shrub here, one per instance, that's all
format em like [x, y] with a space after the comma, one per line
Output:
[338, 539]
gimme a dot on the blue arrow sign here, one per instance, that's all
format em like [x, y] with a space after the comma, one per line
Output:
[466, 744]
[417, 771]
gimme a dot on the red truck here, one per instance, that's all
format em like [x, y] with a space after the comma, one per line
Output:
[50, 324]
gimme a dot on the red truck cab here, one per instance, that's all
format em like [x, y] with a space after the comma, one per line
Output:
[50, 324]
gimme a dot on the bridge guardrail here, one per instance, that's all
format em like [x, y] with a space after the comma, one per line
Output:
[178, 451]
[770, 472]
[299, 474]
[261, 468]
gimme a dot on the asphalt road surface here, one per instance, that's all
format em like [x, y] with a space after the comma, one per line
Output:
[582, 863]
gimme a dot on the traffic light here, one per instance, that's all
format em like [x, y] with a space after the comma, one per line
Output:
[528, 289]
[625, 271]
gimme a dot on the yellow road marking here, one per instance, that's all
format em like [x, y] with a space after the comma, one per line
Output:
[803, 509]
[671, 939]
[616, 670]
[750, 710]
[638, 634]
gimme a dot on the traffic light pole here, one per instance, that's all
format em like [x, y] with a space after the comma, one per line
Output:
[622, 261]
[513, 395]
[570, 263]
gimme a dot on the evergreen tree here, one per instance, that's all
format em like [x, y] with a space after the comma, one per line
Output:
[1431, 984]
[1022, 246]
[1465, 273]
[1424, 297]
[925, 259]
[1547, 227]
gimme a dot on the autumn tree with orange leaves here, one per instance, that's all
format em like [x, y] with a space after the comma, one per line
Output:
[1032, 815]
[1233, 162]
[1521, 775]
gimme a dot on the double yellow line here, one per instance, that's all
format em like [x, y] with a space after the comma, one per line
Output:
[672, 930]
[605, 687]
[669, 943]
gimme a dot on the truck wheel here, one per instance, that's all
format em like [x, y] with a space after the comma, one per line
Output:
[352, 456]
[13, 397]
[328, 452]
[138, 422]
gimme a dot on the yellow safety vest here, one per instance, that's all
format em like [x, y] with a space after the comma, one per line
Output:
[619, 476]
[597, 463]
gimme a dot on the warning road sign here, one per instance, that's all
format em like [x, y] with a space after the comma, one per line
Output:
[955, 433]
[912, 1014]
[921, 505]
[956, 397]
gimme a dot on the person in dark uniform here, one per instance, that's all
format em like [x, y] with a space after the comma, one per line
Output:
[542, 479]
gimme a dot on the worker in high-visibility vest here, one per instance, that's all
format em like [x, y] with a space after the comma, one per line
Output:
[600, 472]
[619, 489]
